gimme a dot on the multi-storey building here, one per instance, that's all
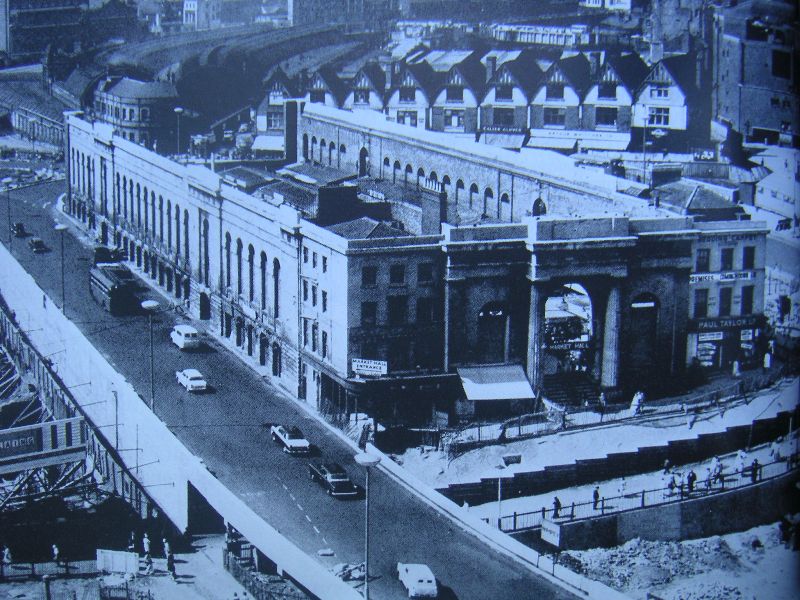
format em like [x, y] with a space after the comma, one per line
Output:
[202, 14]
[385, 293]
[727, 294]
[755, 90]
[28, 26]
[139, 111]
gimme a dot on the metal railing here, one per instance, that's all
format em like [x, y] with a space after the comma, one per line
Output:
[645, 498]
[259, 585]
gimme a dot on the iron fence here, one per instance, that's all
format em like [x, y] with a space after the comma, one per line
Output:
[260, 585]
[646, 498]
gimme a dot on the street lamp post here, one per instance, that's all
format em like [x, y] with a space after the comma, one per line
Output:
[366, 460]
[8, 204]
[150, 306]
[178, 113]
[61, 228]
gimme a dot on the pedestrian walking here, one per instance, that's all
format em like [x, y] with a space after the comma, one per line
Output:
[754, 468]
[148, 564]
[690, 479]
[767, 364]
[132, 542]
[7, 560]
[667, 466]
[56, 557]
[171, 566]
[595, 497]
[146, 543]
[166, 545]
[741, 461]
[716, 469]
[556, 506]
[709, 478]
[736, 369]
[775, 450]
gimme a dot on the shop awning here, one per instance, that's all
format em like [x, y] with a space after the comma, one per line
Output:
[495, 382]
[265, 143]
[558, 143]
[608, 142]
[504, 140]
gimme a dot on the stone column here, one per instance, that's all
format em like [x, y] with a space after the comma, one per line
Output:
[611, 332]
[446, 352]
[535, 336]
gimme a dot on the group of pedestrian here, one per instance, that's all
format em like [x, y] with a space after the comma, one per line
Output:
[148, 558]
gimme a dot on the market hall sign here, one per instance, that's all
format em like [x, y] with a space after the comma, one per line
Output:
[17, 443]
[748, 322]
[364, 366]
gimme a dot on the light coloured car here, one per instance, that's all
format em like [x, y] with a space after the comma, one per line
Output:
[185, 337]
[291, 438]
[418, 580]
[192, 380]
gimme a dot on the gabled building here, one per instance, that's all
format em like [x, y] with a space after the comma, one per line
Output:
[666, 102]
[325, 87]
[607, 106]
[409, 98]
[455, 108]
[271, 113]
[504, 114]
[368, 89]
[556, 105]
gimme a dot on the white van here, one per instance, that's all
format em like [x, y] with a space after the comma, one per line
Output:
[185, 337]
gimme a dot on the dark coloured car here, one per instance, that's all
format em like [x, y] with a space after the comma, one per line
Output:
[333, 478]
[104, 254]
[18, 229]
[37, 245]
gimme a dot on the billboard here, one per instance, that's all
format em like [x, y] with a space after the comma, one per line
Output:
[17, 442]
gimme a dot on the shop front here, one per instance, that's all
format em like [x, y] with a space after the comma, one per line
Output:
[715, 343]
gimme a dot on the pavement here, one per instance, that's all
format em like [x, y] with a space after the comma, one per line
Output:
[228, 429]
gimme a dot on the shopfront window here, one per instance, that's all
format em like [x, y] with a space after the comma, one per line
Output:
[700, 304]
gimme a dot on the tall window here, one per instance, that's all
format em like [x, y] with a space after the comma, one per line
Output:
[747, 299]
[725, 297]
[424, 273]
[228, 260]
[369, 275]
[703, 263]
[726, 259]
[263, 281]
[251, 291]
[749, 257]
[276, 273]
[397, 310]
[324, 301]
[369, 313]
[239, 267]
[324, 344]
[700, 304]
[424, 310]
[397, 274]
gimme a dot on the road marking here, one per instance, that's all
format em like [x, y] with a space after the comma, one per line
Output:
[325, 541]
[284, 487]
[316, 529]
[290, 494]
[300, 507]
[308, 518]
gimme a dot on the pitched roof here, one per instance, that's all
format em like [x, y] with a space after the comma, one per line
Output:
[683, 68]
[428, 79]
[474, 73]
[332, 81]
[376, 76]
[577, 71]
[365, 228]
[630, 68]
[525, 70]
[133, 88]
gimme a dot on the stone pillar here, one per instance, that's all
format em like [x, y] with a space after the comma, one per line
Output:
[611, 332]
[535, 336]
[446, 352]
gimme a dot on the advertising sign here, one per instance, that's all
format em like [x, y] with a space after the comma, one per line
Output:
[710, 337]
[724, 276]
[365, 366]
[551, 532]
[16, 442]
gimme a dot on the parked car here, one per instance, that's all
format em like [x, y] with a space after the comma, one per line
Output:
[104, 254]
[291, 438]
[418, 580]
[192, 380]
[333, 478]
[37, 245]
[18, 229]
[185, 337]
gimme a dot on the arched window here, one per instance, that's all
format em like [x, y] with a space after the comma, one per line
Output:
[434, 176]
[305, 146]
[459, 187]
[395, 170]
[177, 229]
[206, 258]
[446, 180]
[276, 360]
[239, 248]
[363, 162]
[228, 260]
[473, 194]
[146, 210]
[322, 147]
[313, 147]
[420, 175]
[409, 171]
[386, 165]
[251, 292]
[331, 150]
[153, 211]
[276, 278]
[169, 224]
[161, 218]
[263, 281]
[488, 195]
[342, 154]
[539, 208]
[138, 205]
[125, 197]
[186, 234]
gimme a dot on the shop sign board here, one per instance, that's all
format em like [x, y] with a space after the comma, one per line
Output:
[551, 532]
[726, 323]
[723, 276]
[17, 442]
[746, 335]
[365, 366]
[714, 336]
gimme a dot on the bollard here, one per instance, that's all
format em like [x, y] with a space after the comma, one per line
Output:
[572, 512]
[46, 582]
[642, 497]
[515, 520]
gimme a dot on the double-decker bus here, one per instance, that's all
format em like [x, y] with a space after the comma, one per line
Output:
[112, 287]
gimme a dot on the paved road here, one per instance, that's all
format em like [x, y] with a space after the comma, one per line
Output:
[227, 429]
